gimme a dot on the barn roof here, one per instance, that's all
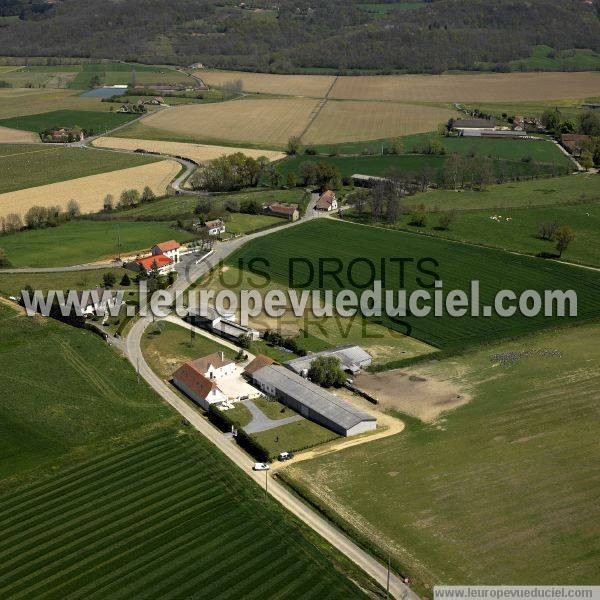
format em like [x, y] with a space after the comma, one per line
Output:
[314, 397]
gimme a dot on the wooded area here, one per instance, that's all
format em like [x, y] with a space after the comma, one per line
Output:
[336, 35]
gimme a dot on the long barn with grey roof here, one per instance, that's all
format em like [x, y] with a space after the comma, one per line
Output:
[352, 359]
[312, 401]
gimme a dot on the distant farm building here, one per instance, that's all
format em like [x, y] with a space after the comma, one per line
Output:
[287, 211]
[574, 142]
[223, 325]
[327, 201]
[473, 127]
[352, 359]
[312, 401]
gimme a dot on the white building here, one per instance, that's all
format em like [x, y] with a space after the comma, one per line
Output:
[169, 249]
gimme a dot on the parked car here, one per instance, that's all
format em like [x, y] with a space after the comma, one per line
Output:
[260, 467]
[283, 456]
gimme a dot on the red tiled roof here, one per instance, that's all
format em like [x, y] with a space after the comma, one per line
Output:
[258, 363]
[148, 263]
[216, 359]
[282, 209]
[326, 199]
[193, 380]
[167, 246]
[574, 140]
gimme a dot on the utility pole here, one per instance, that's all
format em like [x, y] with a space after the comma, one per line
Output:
[118, 241]
[266, 484]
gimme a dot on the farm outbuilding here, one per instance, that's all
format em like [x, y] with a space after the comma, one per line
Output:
[313, 402]
[352, 359]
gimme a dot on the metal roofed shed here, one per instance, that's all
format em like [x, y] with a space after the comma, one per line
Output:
[352, 359]
[313, 402]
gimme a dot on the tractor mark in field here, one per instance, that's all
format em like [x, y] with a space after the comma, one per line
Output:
[317, 111]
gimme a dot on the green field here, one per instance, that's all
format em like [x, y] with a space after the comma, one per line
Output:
[83, 241]
[94, 122]
[40, 76]
[517, 229]
[458, 265]
[541, 192]
[165, 517]
[26, 165]
[105, 493]
[122, 73]
[11, 284]
[389, 164]
[540, 150]
[545, 58]
[65, 393]
[380, 9]
[503, 489]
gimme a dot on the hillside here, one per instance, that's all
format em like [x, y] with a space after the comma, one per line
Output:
[334, 35]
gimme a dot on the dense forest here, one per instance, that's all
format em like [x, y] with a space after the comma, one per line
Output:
[294, 35]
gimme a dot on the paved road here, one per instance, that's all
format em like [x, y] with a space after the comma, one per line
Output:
[190, 272]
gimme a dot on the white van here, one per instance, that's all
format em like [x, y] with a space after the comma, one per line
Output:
[260, 467]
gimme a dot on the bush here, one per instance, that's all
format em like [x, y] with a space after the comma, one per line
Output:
[418, 219]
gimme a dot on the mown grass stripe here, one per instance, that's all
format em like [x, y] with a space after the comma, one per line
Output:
[195, 557]
[59, 487]
[168, 539]
[88, 497]
[128, 514]
[70, 562]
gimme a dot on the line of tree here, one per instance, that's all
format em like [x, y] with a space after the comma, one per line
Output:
[229, 173]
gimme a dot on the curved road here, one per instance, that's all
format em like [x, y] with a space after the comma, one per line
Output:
[188, 273]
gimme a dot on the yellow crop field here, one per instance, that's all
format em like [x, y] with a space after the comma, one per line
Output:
[315, 86]
[15, 102]
[16, 136]
[90, 191]
[196, 152]
[268, 122]
[488, 87]
[345, 121]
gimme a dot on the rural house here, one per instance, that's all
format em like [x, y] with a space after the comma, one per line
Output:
[192, 381]
[327, 201]
[162, 263]
[220, 324]
[287, 211]
[312, 401]
[170, 249]
[215, 227]
[215, 365]
[574, 142]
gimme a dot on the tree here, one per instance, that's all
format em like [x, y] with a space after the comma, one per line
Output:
[129, 198]
[108, 280]
[418, 219]
[551, 119]
[244, 341]
[108, 203]
[396, 146]
[563, 236]
[454, 171]
[326, 371]
[274, 176]
[547, 230]
[293, 146]
[125, 280]
[12, 223]
[308, 172]
[148, 195]
[588, 123]
[586, 160]
[291, 180]
[73, 209]
[446, 219]
[227, 173]
[203, 207]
